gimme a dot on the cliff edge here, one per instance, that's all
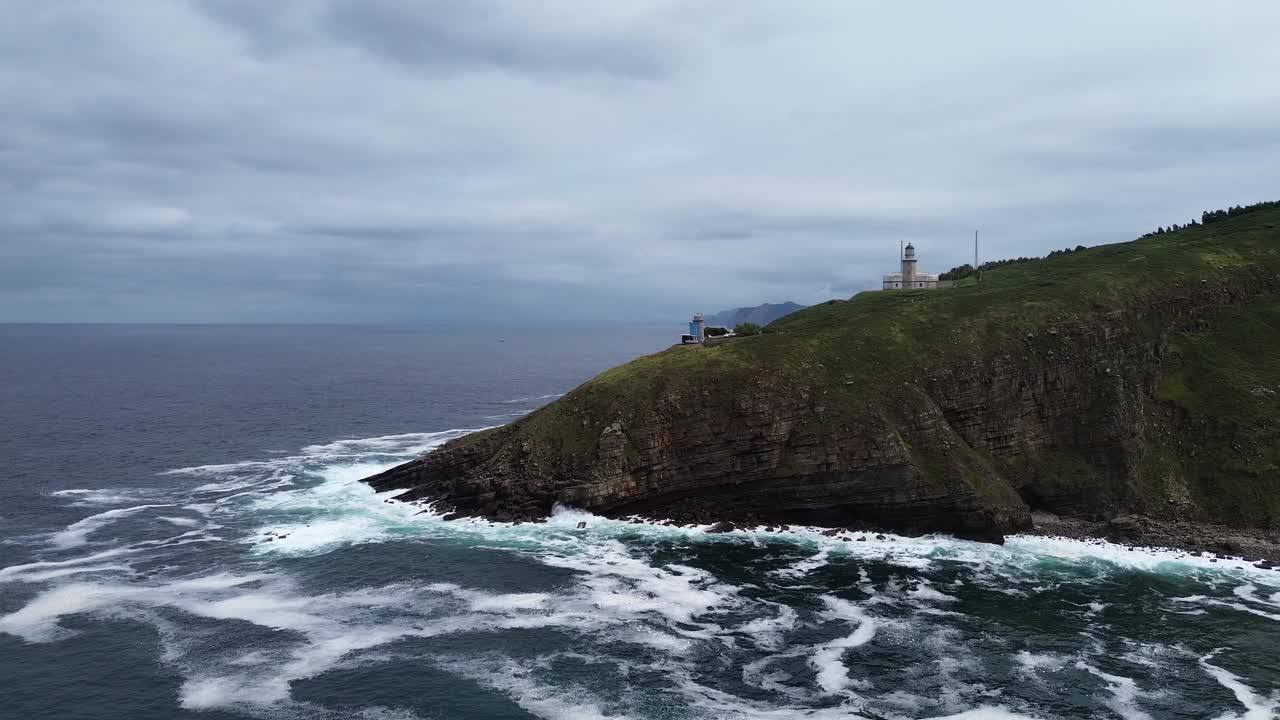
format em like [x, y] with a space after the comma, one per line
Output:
[1141, 377]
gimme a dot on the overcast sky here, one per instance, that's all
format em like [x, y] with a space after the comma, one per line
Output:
[628, 160]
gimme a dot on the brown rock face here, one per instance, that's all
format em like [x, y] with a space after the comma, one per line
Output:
[1055, 421]
[764, 461]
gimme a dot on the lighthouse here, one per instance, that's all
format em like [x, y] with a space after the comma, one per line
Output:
[909, 277]
[909, 266]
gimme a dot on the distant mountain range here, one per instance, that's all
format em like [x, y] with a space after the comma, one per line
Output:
[760, 314]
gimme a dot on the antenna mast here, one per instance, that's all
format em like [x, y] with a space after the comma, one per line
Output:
[975, 255]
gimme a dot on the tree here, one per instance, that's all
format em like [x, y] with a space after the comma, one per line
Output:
[715, 331]
[747, 329]
[956, 273]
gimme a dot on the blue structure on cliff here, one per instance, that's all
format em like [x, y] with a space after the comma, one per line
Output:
[696, 331]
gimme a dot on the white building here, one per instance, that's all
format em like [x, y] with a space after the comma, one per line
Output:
[909, 278]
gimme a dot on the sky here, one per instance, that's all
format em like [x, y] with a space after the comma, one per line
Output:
[498, 162]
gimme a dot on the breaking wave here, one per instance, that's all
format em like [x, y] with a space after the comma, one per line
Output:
[263, 576]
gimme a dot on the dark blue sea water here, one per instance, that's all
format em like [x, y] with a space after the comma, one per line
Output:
[182, 534]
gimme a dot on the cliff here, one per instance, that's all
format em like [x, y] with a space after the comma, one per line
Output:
[760, 314]
[1141, 377]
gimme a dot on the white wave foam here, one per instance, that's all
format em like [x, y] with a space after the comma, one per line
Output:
[806, 566]
[208, 693]
[768, 632]
[36, 576]
[183, 522]
[77, 533]
[1247, 593]
[338, 512]
[1156, 560]
[21, 572]
[402, 444]
[354, 515]
[90, 497]
[1203, 600]
[833, 676]
[754, 673]
[619, 583]
[333, 627]
[225, 468]
[256, 481]
[1032, 663]
[554, 702]
[37, 621]
[219, 597]
[711, 703]
[516, 401]
[1152, 655]
[993, 712]
[1124, 693]
[489, 603]
[927, 593]
[314, 502]
[1256, 706]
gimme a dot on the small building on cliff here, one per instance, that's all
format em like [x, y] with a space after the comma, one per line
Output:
[909, 278]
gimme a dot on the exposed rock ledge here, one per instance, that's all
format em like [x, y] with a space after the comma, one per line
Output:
[1211, 539]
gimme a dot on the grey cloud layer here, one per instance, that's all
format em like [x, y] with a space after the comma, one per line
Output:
[388, 160]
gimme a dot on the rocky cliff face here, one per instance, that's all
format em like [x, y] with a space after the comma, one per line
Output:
[696, 460]
[1060, 418]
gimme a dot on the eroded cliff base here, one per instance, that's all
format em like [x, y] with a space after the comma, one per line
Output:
[1197, 538]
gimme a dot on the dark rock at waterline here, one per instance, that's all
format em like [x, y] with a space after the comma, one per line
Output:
[1127, 524]
[1199, 539]
[722, 527]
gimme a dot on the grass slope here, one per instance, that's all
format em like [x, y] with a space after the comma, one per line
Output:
[1227, 382]
[853, 350]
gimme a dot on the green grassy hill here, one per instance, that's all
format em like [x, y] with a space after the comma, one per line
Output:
[1137, 377]
[1205, 297]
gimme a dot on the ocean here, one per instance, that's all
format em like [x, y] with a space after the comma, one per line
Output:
[183, 535]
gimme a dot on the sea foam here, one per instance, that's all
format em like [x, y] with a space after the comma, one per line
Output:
[639, 585]
[77, 533]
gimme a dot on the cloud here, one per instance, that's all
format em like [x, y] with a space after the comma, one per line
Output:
[514, 38]
[385, 160]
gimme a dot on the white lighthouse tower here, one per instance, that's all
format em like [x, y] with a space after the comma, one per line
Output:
[908, 277]
[909, 266]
